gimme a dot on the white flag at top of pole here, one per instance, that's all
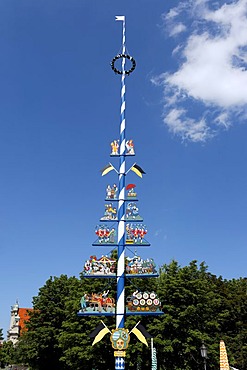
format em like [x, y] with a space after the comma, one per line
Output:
[120, 18]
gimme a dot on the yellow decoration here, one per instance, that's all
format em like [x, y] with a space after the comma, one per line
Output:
[224, 365]
[119, 353]
[120, 339]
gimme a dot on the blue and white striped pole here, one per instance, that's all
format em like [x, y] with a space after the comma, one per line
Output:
[119, 361]
[121, 203]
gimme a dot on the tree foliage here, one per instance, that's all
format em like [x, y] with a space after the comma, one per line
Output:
[8, 354]
[39, 346]
[197, 306]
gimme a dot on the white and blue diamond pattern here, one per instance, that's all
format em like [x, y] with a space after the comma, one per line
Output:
[119, 363]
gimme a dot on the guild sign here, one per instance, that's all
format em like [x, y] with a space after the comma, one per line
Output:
[143, 303]
[120, 339]
[129, 148]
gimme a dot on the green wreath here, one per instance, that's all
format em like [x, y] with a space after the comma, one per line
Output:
[123, 56]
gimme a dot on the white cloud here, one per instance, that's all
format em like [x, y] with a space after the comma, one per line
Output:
[178, 28]
[173, 27]
[187, 128]
[222, 120]
[212, 70]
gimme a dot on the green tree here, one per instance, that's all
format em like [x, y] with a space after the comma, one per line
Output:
[56, 337]
[197, 306]
[234, 325]
[1, 355]
[74, 342]
[192, 307]
[39, 346]
[7, 354]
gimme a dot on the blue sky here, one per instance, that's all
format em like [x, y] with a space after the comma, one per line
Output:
[60, 109]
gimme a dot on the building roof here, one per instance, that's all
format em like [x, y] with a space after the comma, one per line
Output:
[24, 316]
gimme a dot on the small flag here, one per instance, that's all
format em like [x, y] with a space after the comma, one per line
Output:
[120, 18]
[138, 170]
[141, 333]
[99, 333]
[106, 169]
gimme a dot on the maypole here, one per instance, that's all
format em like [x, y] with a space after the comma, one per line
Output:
[130, 232]
[121, 201]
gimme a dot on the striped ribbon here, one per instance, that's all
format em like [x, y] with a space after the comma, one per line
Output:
[154, 360]
[121, 203]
